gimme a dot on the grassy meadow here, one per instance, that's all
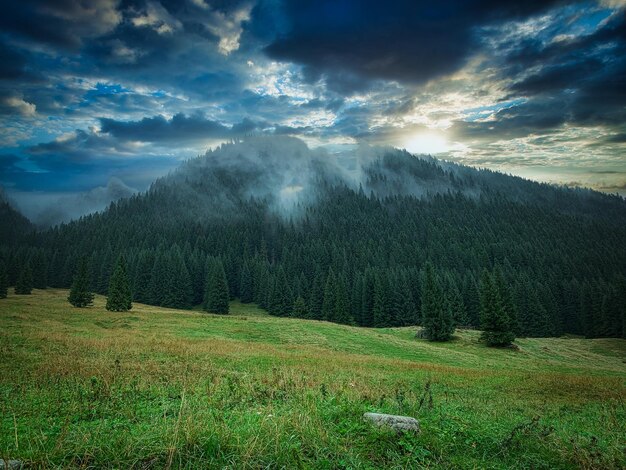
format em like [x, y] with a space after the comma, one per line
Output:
[162, 388]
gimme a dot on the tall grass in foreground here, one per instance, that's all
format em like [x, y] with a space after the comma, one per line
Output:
[159, 388]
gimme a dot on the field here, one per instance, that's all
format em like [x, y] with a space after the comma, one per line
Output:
[161, 388]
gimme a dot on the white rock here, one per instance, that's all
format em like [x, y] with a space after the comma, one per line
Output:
[10, 464]
[397, 423]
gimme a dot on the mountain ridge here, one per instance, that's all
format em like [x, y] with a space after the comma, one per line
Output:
[358, 228]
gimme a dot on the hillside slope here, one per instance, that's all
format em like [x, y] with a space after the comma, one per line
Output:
[345, 230]
[158, 387]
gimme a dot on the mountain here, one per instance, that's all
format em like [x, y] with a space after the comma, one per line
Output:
[346, 236]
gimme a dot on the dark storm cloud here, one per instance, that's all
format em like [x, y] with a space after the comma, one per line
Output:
[13, 65]
[178, 128]
[616, 139]
[591, 69]
[409, 40]
[536, 50]
[540, 116]
[81, 148]
[578, 80]
[61, 23]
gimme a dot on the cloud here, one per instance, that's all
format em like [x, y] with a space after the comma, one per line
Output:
[77, 149]
[179, 128]
[51, 208]
[408, 41]
[227, 26]
[157, 18]
[14, 104]
[12, 63]
[64, 23]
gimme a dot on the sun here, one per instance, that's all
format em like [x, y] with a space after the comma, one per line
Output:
[426, 143]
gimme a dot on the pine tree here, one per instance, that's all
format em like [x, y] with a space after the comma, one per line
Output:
[158, 277]
[406, 304]
[381, 307]
[459, 312]
[281, 301]
[367, 301]
[246, 288]
[143, 274]
[495, 321]
[80, 293]
[216, 299]
[177, 289]
[504, 292]
[342, 307]
[24, 285]
[328, 305]
[317, 297]
[39, 268]
[4, 281]
[119, 297]
[262, 286]
[55, 270]
[436, 312]
[300, 309]
[471, 300]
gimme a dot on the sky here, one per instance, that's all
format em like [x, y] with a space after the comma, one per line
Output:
[99, 98]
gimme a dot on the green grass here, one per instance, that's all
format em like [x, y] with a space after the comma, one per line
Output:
[161, 388]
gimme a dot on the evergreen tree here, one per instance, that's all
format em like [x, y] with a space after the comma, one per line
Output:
[119, 297]
[504, 292]
[177, 289]
[342, 308]
[471, 300]
[106, 270]
[459, 312]
[381, 305]
[495, 321]
[158, 277]
[143, 274]
[39, 268]
[24, 285]
[316, 300]
[281, 301]
[368, 299]
[299, 308]
[406, 305]
[55, 270]
[328, 305]
[216, 299]
[436, 312]
[4, 281]
[80, 293]
[246, 288]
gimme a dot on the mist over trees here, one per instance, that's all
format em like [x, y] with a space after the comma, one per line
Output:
[347, 238]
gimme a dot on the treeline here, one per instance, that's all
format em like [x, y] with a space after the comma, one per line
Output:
[353, 258]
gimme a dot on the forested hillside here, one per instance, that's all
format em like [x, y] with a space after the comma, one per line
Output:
[13, 225]
[346, 237]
